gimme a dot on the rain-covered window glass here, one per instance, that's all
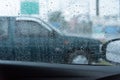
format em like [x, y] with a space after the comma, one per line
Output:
[58, 31]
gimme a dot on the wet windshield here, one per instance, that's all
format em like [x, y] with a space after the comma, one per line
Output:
[58, 31]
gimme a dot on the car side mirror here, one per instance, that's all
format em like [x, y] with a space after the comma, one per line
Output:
[112, 50]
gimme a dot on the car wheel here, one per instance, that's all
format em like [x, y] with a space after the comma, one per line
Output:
[78, 57]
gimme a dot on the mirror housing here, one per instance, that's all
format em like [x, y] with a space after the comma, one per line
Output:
[111, 51]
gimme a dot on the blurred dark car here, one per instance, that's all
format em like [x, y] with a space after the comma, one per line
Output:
[31, 39]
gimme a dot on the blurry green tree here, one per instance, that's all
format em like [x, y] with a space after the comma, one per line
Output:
[57, 19]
